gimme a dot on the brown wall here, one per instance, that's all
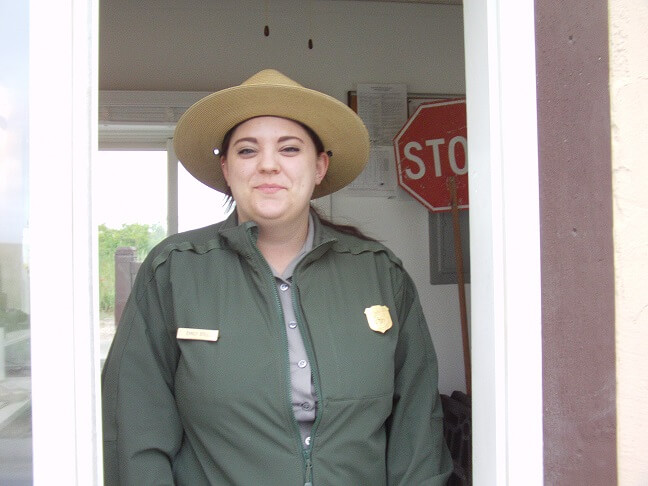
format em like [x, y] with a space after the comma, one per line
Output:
[576, 242]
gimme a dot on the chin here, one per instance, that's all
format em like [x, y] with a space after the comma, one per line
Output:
[271, 212]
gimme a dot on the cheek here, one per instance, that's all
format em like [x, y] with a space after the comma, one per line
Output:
[306, 179]
[234, 174]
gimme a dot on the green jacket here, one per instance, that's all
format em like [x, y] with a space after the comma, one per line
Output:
[194, 412]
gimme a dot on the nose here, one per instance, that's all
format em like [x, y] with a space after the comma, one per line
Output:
[268, 161]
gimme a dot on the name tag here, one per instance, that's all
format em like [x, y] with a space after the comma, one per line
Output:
[197, 334]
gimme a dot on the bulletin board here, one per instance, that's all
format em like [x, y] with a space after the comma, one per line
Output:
[413, 99]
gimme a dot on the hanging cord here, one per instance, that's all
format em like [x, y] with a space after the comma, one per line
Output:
[310, 25]
[266, 29]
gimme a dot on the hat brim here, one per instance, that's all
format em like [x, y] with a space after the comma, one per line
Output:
[202, 127]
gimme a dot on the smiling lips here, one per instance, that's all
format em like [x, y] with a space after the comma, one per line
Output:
[269, 188]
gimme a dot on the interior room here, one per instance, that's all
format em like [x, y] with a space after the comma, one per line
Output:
[163, 49]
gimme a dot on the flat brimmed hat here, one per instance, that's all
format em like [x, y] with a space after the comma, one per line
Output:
[202, 127]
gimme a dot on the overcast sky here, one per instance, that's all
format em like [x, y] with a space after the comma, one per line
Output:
[131, 187]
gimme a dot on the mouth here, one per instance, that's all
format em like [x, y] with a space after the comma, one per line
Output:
[269, 188]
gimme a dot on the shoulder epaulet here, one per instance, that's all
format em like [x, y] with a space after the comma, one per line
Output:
[355, 245]
[200, 240]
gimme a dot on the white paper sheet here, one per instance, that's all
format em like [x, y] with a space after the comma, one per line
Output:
[383, 108]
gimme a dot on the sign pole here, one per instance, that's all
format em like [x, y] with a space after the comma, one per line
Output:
[452, 186]
[432, 144]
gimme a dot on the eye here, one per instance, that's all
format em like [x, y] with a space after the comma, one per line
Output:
[245, 151]
[290, 149]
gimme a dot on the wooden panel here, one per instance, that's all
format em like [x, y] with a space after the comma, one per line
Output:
[576, 239]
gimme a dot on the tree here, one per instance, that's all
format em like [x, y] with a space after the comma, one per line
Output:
[142, 237]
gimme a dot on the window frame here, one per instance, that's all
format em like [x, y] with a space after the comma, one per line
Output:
[64, 347]
[145, 120]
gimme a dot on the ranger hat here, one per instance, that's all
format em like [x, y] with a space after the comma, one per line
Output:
[201, 129]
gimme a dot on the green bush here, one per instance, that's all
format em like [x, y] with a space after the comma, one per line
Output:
[142, 237]
[13, 320]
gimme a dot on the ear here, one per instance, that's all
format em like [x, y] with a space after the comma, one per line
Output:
[224, 168]
[321, 167]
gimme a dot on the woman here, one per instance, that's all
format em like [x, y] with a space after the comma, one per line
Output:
[272, 348]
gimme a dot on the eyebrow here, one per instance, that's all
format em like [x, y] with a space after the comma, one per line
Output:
[255, 140]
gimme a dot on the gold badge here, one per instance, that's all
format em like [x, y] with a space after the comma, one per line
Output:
[378, 318]
[197, 334]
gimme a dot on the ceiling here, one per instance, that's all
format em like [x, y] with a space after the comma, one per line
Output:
[437, 2]
[164, 45]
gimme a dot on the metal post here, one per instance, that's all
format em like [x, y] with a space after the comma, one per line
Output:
[461, 287]
[124, 259]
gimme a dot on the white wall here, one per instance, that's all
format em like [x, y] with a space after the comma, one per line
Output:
[629, 103]
[201, 45]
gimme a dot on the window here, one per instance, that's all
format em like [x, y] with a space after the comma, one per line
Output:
[198, 205]
[131, 206]
[15, 359]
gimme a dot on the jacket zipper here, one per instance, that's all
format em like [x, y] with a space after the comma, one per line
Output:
[314, 370]
[316, 381]
[309, 471]
[306, 452]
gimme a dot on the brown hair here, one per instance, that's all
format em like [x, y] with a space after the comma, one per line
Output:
[317, 141]
[319, 148]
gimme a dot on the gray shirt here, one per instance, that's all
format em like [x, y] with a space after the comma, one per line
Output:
[304, 400]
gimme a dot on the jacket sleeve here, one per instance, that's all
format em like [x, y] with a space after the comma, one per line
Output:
[142, 431]
[416, 449]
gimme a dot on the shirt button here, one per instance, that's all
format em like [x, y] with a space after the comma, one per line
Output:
[292, 324]
[284, 286]
[307, 441]
[302, 363]
[306, 406]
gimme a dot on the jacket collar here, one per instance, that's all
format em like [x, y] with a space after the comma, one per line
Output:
[242, 237]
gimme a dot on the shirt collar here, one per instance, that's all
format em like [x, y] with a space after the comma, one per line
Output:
[308, 246]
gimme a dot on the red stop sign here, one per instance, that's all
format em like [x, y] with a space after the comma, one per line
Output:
[430, 148]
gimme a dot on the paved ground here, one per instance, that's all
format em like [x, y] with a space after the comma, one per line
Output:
[15, 412]
[15, 431]
[16, 462]
[106, 334]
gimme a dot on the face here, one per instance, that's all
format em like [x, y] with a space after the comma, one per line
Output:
[272, 168]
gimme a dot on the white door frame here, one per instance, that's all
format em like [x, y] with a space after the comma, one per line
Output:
[63, 53]
[505, 252]
[504, 242]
